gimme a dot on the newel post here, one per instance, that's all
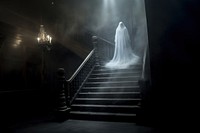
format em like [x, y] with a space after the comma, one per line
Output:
[94, 41]
[62, 110]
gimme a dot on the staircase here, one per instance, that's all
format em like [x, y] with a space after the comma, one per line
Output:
[109, 95]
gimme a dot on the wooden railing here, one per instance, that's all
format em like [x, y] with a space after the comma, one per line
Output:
[104, 50]
[76, 81]
[69, 89]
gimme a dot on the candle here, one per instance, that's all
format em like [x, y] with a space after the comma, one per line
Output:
[38, 39]
[50, 39]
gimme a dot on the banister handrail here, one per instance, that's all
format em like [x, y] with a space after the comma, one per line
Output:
[94, 34]
[105, 40]
[81, 66]
[104, 50]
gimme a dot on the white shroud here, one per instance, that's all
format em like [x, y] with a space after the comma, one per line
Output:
[123, 54]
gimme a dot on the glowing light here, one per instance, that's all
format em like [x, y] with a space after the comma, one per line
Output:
[109, 10]
[17, 41]
[43, 38]
[50, 39]
[38, 39]
[123, 55]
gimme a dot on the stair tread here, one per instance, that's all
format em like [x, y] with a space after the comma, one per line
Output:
[102, 113]
[121, 77]
[104, 93]
[110, 82]
[120, 72]
[102, 106]
[114, 70]
[108, 99]
[109, 94]
[136, 65]
[116, 87]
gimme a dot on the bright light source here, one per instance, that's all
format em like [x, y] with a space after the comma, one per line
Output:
[17, 40]
[43, 38]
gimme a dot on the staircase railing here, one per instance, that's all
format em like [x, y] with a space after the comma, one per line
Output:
[69, 89]
[76, 81]
[104, 50]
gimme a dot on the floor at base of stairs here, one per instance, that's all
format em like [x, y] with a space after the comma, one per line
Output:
[82, 126]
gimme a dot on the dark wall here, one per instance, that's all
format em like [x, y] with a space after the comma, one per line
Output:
[21, 58]
[24, 94]
[173, 30]
[22, 90]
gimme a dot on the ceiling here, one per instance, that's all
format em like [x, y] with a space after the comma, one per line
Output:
[63, 17]
[60, 17]
[56, 14]
[30, 14]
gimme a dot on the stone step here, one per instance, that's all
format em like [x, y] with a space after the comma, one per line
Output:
[115, 74]
[132, 66]
[105, 70]
[111, 89]
[103, 116]
[121, 78]
[109, 95]
[108, 101]
[106, 108]
[113, 84]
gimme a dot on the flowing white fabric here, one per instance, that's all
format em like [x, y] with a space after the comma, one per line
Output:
[123, 54]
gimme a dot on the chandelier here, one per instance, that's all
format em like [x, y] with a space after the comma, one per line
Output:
[43, 38]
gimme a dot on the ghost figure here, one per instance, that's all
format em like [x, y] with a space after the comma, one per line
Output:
[123, 54]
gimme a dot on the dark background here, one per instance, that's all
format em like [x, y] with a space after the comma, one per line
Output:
[173, 31]
[173, 35]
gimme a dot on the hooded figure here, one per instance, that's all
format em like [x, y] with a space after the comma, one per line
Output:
[123, 54]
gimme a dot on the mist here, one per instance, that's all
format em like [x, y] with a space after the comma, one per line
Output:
[101, 17]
